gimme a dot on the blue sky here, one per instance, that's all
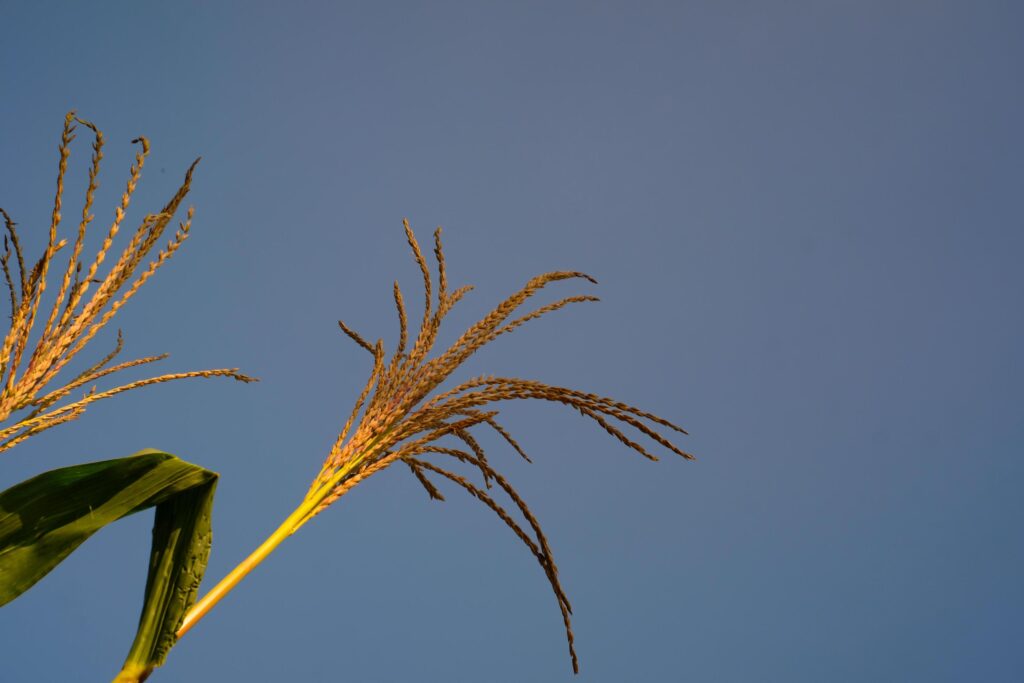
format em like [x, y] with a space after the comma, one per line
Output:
[806, 222]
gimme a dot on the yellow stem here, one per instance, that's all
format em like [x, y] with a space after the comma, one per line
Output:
[217, 593]
[133, 673]
[300, 516]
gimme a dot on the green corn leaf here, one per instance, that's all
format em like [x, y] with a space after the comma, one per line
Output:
[43, 519]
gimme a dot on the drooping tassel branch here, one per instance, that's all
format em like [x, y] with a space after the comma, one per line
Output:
[395, 419]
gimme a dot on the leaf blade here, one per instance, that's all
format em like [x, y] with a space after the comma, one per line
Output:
[43, 520]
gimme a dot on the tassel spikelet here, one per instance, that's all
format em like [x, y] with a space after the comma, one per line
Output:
[396, 419]
[27, 372]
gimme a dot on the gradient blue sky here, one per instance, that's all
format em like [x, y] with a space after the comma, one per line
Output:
[806, 221]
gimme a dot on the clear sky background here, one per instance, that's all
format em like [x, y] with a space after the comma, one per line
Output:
[806, 221]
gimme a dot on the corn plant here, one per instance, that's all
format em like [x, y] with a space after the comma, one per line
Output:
[402, 415]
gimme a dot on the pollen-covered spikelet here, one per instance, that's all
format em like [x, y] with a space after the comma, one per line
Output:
[74, 319]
